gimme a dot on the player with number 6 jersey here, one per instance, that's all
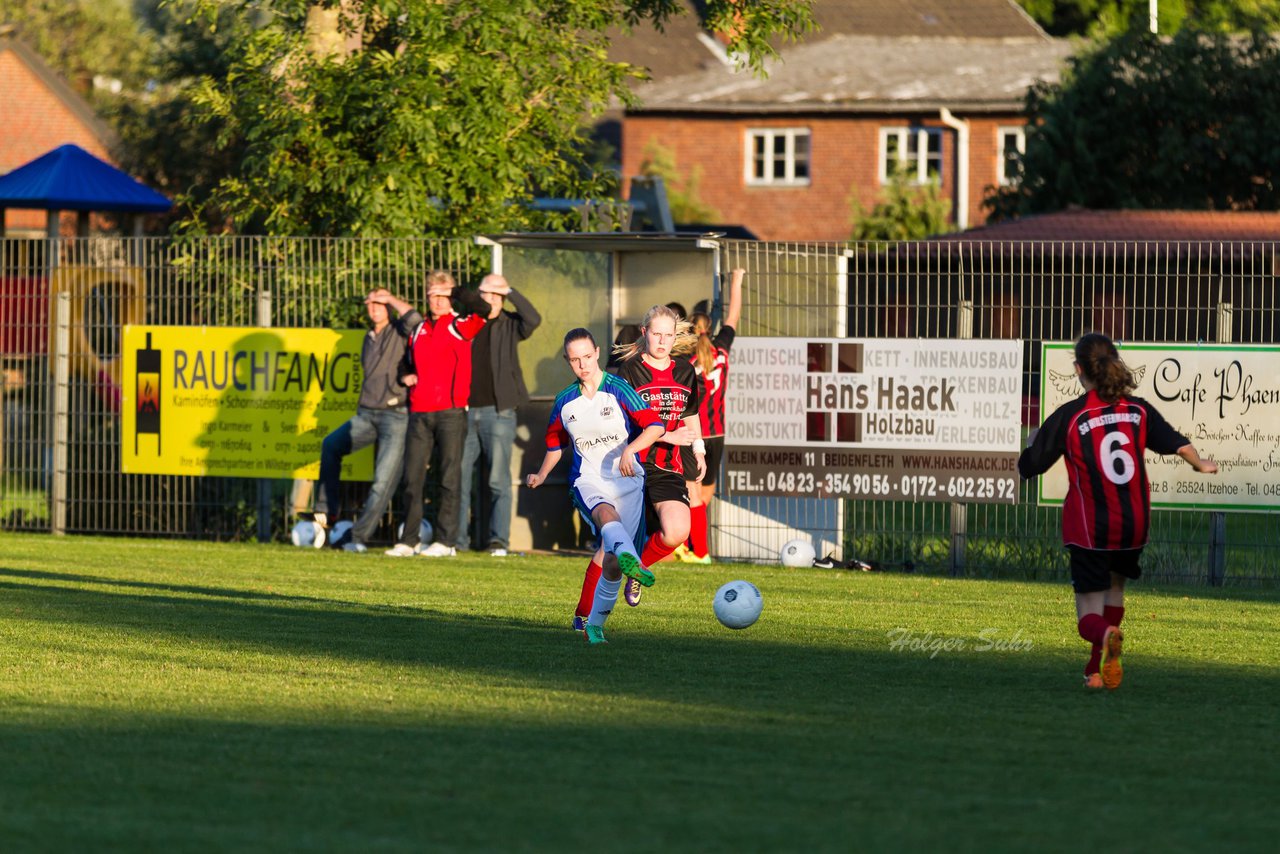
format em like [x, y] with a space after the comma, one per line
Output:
[1103, 436]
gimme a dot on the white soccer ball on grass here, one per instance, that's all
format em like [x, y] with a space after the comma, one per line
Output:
[425, 532]
[307, 534]
[797, 553]
[738, 604]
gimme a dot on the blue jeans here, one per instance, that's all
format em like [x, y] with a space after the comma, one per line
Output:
[386, 427]
[492, 432]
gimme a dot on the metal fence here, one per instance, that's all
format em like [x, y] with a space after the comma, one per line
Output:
[63, 304]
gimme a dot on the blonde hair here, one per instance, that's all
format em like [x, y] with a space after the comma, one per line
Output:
[704, 353]
[684, 343]
[441, 277]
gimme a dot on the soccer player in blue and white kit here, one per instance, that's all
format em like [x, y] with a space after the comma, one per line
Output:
[606, 423]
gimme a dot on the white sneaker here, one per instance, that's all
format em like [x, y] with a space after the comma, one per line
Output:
[439, 550]
[401, 550]
[498, 552]
[360, 548]
[320, 519]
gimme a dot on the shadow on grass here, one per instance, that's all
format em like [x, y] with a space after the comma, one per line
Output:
[762, 745]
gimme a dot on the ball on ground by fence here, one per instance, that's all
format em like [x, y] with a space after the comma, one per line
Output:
[798, 552]
[307, 534]
[425, 532]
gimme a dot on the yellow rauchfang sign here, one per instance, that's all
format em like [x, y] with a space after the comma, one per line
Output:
[237, 402]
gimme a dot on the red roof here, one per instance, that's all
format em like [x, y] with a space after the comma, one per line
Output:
[1131, 226]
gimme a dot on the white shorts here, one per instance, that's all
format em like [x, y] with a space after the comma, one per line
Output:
[624, 494]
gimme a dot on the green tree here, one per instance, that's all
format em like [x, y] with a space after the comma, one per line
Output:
[1146, 122]
[87, 39]
[906, 211]
[1112, 17]
[682, 190]
[437, 118]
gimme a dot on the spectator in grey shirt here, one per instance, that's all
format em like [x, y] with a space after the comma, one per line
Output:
[382, 415]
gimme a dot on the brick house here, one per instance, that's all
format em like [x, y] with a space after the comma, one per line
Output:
[936, 88]
[41, 112]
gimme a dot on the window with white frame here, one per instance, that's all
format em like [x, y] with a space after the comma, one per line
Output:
[778, 157]
[1011, 143]
[917, 150]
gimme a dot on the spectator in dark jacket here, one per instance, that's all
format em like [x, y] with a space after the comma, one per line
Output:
[382, 415]
[497, 388]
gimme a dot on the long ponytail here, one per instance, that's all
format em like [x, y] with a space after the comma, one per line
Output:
[1101, 364]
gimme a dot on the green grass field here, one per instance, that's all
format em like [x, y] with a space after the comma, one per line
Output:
[192, 696]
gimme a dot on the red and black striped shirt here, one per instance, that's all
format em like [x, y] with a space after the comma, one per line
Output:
[673, 393]
[714, 383]
[1108, 503]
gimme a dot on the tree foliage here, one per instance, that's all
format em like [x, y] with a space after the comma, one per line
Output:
[438, 118]
[683, 194]
[1112, 17]
[905, 211]
[84, 39]
[1144, 122]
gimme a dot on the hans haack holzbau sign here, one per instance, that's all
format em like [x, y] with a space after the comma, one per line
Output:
[909, 419]
[1225, 398]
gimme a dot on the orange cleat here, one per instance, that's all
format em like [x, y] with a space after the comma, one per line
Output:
[1112, 670]
[1094, 681]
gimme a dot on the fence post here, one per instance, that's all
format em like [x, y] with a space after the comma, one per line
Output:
[61, 417]
[960, 512]
[265, 485]
[1218, 520]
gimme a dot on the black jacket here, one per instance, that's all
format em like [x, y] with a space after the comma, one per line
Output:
[507, 330]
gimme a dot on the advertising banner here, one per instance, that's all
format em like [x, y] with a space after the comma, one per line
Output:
[894, 419]
[1225, 398]
[237, 402]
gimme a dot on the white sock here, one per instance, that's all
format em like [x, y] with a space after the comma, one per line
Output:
[606, 597]
[615, 539]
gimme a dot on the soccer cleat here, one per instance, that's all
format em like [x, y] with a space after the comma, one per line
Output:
[439, 550]
[401, 550]
[829, 562]
[594, 634]
[497, 551]
[1112, 670]
[632, 568]
[359, 548]
[631, 592]
[1093, 681]
[579, 623]
[690, 557]
[682, 552]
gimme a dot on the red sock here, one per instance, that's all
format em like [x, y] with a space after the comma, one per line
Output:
[1113, 614]
[588, 589]
[1095, 660]
[655, 550]
[1093, 628]
[698, 529]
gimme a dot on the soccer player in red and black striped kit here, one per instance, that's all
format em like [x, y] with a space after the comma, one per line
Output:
[711, 364]
[1103, 435]
[671, 388]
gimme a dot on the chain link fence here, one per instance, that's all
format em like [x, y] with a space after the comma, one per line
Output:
[63, 304]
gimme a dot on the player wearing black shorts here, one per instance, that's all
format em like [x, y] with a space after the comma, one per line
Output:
[711, 364]
[671, 388]
[1103, 435]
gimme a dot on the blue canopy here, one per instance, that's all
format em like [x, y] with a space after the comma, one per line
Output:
[71, 179]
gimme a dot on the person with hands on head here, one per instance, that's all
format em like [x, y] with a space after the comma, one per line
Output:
[497, 389]
[437, 371]
[1103, 436]
[382, 416]
[606, 424]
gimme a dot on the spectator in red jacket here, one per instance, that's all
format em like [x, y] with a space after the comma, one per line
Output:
[437, 370]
